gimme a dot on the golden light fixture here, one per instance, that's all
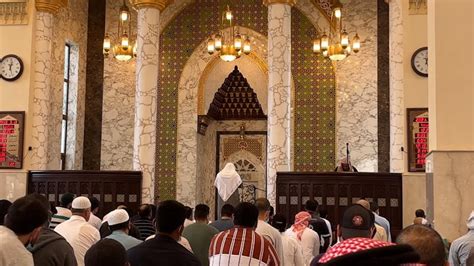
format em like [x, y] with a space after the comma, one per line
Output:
[336, 45]
[228, 42]
[122, 50]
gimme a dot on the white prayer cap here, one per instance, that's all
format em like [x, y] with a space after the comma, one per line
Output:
[470, 221]
[116, 217]
[81, 203]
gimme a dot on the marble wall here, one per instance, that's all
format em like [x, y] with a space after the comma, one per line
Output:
[118, 111]
[12, 185]
[94, 85]
[356, 94]
[70, 26]
[397, 106]
[450, 179]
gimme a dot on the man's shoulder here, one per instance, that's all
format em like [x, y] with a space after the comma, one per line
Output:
[159, 248]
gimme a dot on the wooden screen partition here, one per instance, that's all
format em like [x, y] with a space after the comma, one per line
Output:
[336, 191]
[111, 188]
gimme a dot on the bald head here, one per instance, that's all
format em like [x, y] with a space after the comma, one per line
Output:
[426, 242]
[364, 204]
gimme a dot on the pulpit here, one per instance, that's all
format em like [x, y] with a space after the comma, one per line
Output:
[335, 191]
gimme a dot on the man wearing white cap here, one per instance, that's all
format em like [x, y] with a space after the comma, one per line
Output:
[77, 231]
[462, 249]
[119, 224]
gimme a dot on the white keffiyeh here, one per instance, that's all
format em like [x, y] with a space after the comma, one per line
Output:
[227, 181]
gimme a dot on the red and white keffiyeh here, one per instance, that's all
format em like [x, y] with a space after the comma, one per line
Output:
[352, 245]
[301, 223]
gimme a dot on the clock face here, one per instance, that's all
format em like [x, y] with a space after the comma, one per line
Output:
[419, 61]
[11, 67]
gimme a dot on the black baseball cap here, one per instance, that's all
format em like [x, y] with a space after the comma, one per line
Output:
[356, 222]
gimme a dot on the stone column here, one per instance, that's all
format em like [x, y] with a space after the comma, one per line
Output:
[144, 137]
[397, 107]
[279, 91]
[46, 9]
[450, 164]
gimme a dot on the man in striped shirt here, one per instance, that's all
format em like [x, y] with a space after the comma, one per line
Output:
[63, 211]
[241, 245]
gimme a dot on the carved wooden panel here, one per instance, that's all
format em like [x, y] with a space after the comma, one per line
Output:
[337, 191]
[111, 188]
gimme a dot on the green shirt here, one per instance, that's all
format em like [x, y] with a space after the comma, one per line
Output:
[199, 236]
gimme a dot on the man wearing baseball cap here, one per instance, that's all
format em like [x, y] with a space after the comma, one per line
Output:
[358, 247]
[119, 224]
[77, 231]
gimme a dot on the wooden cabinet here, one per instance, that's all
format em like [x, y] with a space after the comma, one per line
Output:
[336, 191]
[111, 188]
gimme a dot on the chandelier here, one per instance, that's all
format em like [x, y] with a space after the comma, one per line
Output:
[122, 50]
[228, 42]
[336, 46]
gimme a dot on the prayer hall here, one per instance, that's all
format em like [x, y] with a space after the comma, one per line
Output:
[311, 106]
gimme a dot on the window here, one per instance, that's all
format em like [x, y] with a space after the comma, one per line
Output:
[67, 61]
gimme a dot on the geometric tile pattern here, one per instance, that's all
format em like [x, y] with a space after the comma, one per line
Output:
[315, 105]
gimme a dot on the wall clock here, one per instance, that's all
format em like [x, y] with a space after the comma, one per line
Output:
[419, 61]
[11, 67]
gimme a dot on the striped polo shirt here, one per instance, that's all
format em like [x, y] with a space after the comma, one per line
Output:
[241, 246]
[63, 214]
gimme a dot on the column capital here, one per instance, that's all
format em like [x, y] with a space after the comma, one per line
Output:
[271, 2]
[50, 6]
[158, 4]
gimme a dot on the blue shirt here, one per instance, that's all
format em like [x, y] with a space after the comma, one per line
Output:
[127, 241]
[462, 250]
[385, 224]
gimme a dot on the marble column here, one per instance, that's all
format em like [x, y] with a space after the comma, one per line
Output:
[41, 109]
[279, 92]
[397, 111]
[450, 164]
[144, 137]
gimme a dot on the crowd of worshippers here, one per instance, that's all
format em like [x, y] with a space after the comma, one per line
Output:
[33, 232]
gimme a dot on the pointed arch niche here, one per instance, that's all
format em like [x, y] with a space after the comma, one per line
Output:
[202, 76]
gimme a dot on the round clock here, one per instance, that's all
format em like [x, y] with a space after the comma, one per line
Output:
[11, 67]
[419, 61]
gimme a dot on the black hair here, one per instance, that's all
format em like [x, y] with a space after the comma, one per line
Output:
[170, 215]
[25, 215]
[119, 226]
[374, 206]
[246, 215]
[262, 204]
[272, 211]
[106, 252]
[66, 199]
[189, 213]
[144, 211]
[227, 210]
[94, 202]
[4, 205]
[420, 213]
[426, 242]
[311, 205]
[201, 211]
[323, 211]
[153, 210]
[279, 222]
[46, 204]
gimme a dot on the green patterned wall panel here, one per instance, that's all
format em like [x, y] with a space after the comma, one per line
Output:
[315, 109]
